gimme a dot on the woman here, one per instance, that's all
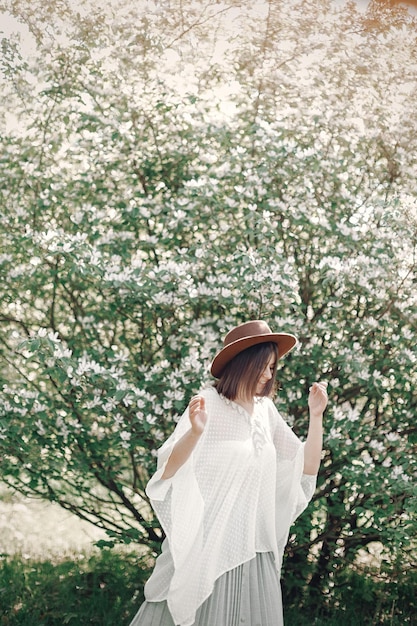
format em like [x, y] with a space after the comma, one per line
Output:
[231, 480]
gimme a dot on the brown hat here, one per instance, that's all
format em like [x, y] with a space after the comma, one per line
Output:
[247, 335]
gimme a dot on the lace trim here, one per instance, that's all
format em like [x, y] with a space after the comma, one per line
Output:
[259, 433]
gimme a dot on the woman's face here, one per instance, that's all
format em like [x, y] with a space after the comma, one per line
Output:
[266, 374]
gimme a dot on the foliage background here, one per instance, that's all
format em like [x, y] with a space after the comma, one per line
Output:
[168, 172]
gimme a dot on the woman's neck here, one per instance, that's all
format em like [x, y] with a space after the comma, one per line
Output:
[246, 403]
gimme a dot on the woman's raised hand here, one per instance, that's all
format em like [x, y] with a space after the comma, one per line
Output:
[198, 414]
[185, 446]
[317, 399]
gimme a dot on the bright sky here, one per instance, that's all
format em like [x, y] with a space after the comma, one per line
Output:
[10, 25]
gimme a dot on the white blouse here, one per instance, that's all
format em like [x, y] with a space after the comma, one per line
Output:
[237, 495]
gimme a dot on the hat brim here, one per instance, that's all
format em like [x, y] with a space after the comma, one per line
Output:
[284, 341]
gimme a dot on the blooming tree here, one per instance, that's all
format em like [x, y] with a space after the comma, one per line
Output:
[168, 174]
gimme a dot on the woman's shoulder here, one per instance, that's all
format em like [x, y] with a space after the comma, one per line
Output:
[271, 412]
[269, 406]
[216, 402]
[209, 393]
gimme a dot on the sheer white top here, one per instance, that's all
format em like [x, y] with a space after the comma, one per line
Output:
[237, 495]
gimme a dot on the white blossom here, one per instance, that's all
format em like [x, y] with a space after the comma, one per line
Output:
[40, 428]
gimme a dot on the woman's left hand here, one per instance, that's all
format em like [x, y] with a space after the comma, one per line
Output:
[317, 399]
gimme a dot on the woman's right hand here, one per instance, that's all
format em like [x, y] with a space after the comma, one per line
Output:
[198, 414]
[185, 446]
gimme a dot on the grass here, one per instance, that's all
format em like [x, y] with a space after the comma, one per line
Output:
[359, 599]
[105, 589]
[339, 618]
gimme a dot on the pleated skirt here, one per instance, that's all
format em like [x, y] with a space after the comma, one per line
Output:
[249, 595]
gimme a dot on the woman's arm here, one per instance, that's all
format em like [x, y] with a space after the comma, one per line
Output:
[317, 402]
[184, 447]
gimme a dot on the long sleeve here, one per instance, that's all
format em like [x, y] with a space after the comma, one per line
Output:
[177, 501]
[294, 489]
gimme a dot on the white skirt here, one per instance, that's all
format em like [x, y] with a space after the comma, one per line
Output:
[249, 595]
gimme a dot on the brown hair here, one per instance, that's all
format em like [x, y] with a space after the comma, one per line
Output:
[242, 373]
